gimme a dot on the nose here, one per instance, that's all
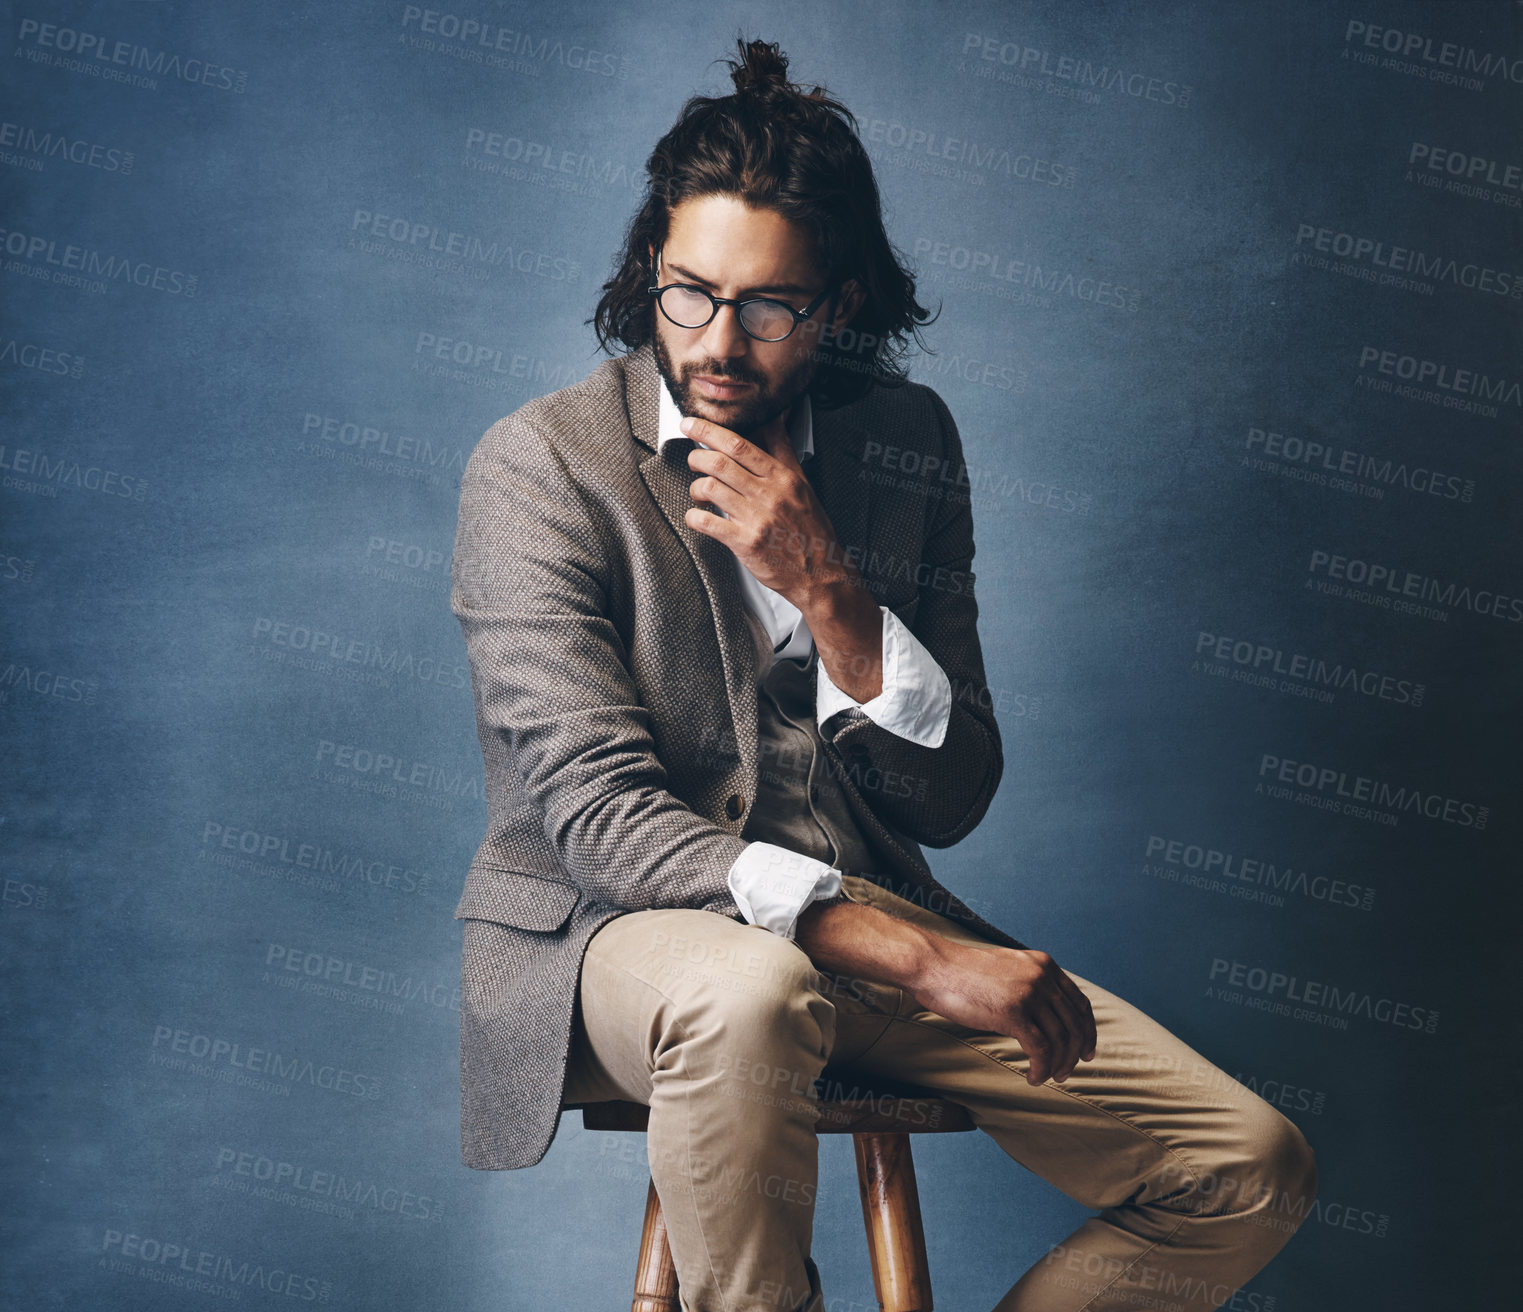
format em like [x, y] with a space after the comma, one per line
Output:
[723, 337]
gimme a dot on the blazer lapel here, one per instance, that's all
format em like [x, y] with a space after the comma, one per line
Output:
[838, 476]
[834, 471]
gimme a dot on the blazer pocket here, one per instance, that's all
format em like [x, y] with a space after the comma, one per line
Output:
[516, 898]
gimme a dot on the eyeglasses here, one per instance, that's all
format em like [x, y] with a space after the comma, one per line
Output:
[765, 319]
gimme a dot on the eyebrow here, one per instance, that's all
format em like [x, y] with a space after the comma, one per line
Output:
[770, 287]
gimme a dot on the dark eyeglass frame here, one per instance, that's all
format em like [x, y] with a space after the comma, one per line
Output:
[799, 316]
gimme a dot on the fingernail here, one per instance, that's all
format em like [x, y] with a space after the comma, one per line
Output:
[687, 424]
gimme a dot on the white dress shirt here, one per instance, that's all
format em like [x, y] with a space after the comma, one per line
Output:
[772, 885]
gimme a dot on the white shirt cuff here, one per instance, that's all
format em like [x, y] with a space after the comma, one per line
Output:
[916, 699]
[772, 886]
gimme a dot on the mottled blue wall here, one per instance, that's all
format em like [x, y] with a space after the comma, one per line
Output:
[1231, 329]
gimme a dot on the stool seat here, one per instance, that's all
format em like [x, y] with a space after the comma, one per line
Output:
[885, 1115]
[880, 1115]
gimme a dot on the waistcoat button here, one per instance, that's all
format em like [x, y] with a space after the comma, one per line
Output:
[734, 806]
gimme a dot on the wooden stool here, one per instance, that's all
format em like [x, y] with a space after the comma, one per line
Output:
[880, 1124]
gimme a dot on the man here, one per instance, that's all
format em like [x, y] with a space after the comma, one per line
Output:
[727, 685]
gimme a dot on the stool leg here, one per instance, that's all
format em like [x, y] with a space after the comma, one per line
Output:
[655, 1276]
[891, 1213]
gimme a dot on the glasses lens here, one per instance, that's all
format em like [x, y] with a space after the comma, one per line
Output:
[769, 320]
[687, 307]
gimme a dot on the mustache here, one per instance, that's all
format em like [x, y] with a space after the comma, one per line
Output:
[736, 375]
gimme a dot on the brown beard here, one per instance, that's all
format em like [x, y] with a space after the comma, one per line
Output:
[750, 415]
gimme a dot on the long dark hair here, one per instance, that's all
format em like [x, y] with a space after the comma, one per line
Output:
[773, 145]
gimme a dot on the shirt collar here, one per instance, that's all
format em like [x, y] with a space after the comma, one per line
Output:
[800, 423]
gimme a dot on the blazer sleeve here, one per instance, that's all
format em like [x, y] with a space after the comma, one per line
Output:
[530, 582]
[936, 795]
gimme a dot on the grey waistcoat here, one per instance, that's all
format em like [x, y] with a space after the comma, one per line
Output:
[799, 802]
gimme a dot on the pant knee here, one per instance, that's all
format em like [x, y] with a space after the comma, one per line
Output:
[1268, 1175]
[767, 1025]
[1290, 1166]
[788, 1020]
[1274, 1182]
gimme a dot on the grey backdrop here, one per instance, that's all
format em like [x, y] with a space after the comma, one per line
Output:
[1231, 329]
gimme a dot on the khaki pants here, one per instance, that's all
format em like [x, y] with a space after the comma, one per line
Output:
[721, 1028]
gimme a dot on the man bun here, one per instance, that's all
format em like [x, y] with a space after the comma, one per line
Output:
[761, 69]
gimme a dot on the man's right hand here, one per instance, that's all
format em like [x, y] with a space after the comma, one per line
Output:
[1019, 992]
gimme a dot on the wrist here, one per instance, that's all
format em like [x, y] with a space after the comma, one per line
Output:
[931, 959]
[847, 626]
[837, 596]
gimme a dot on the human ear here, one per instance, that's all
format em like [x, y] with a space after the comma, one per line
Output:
[849, 298]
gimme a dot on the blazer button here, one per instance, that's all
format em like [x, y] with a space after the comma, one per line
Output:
[734, 806]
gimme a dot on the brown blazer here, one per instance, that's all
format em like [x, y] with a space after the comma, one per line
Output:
[615, 683]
